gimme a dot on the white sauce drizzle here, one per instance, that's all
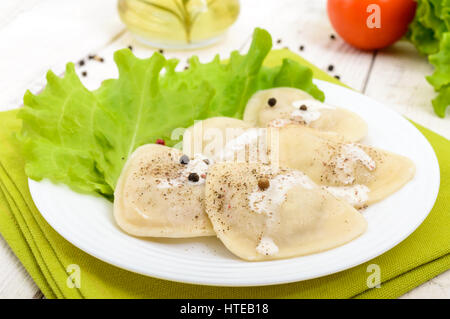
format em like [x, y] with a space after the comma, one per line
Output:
[352, 153]
[140, 212]
[312, 112]
[269, 200]
[355, 195]
[267, 246]
[280, 123]
[195, 165]
[248, 138]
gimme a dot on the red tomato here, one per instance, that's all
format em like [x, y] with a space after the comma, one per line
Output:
[371, 24]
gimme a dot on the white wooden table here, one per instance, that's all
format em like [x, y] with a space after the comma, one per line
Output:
[37, 35]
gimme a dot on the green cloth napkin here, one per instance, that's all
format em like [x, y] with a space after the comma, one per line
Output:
[47, 256]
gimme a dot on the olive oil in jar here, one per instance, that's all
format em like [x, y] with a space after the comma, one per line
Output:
[178, 23]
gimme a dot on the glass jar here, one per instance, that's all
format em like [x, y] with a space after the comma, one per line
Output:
[178, 23]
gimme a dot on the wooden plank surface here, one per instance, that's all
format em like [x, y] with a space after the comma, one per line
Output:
[398, 80]
[14, 280]
[74, 29]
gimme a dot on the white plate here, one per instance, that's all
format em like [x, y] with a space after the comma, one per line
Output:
[87, 222]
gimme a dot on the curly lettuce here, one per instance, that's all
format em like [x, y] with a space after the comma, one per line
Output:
[59, 135]
[430, 33]
[83, 138]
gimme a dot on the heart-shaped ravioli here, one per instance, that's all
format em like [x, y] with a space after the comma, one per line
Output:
[261, 213]
[359, 173]
[279, 107]
[160, 193]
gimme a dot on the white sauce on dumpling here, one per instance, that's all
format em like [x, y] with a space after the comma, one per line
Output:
[312, 112]
[279, 122]
[249, 137]
[253, 138]
[350, 154]
[269, 200]
[267, 246]
[355, 195]
[196, 165]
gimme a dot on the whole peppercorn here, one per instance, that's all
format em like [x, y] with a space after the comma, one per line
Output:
[263, 184]
[160, 141]
[272, 101]
[184, 159]
[193, 177]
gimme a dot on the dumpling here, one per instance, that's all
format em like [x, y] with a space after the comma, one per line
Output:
[261, 213]
[360, 174]
[283, 106]
[160, 193]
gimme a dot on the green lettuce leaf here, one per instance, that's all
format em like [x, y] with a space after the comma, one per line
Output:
[441, 63]
[430, 33]
[440, 79]
[82, 138]
[292, 74]
[442, 101]
[59, 134]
